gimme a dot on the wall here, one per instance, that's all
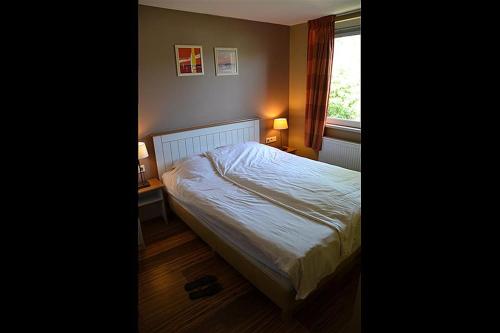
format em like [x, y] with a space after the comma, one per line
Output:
[168, 102]
[297, 92]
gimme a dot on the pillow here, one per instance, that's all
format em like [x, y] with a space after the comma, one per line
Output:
[181, 161]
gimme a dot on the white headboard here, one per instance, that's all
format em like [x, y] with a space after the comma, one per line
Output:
[172, 147]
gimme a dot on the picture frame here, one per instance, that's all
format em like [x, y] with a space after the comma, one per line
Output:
[226, 61]
[189, 60]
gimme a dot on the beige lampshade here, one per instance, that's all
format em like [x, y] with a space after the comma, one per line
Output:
[280, 123]
[143, 151]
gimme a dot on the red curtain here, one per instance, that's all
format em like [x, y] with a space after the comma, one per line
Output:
[319, 68]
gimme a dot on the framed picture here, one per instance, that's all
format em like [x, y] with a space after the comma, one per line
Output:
[226, 61]
[189, 60]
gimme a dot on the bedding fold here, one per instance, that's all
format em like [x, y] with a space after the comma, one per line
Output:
[322, 192]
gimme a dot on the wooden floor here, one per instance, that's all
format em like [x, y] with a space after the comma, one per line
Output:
[174, 255]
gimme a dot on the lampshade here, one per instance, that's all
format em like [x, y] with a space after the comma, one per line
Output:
[143, 151]
[280, 123]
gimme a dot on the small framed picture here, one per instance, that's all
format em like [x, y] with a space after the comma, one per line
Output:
[189, 60]
[226, 61]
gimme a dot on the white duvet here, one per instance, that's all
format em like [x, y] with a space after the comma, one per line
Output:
[325, 193]
[274, 206]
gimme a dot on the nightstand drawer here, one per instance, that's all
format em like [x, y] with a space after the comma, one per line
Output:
[153, 194]
[150, 198]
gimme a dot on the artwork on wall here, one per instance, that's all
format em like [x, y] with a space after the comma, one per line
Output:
[189, 60]
[226, 61]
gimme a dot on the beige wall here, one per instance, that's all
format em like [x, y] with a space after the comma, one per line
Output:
[168, 102]
[297, 91]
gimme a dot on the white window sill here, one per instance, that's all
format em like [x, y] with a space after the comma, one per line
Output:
[344, 128]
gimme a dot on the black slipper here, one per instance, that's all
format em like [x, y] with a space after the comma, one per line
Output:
[208, 291]
[203, 281]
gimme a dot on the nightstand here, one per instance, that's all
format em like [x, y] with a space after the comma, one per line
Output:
[291, 150]
[151, 195]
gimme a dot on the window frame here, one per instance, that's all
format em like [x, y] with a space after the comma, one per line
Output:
[339, 33]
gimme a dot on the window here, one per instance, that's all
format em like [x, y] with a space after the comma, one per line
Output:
[344, 104]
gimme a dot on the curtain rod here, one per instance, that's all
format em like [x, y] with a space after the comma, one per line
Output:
[348, 15]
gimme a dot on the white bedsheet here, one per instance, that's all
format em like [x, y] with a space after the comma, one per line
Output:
[288, 243]
[325, 193]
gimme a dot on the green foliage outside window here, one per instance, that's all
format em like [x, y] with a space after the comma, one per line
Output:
[344, 101]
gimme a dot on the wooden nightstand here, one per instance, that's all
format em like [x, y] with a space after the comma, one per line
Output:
[291, 150]
[151, 195]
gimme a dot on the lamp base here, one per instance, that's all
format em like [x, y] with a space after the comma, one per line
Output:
[143, 185]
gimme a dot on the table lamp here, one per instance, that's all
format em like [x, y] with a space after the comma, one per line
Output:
[143, 153]
[280, 124]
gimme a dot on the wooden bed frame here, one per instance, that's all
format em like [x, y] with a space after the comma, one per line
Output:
[174, 146]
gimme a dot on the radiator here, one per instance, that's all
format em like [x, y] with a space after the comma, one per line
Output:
[342, 153]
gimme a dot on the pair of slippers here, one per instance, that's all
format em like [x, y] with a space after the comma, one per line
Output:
[205, 286]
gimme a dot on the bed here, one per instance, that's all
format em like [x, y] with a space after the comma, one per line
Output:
[286, 223]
